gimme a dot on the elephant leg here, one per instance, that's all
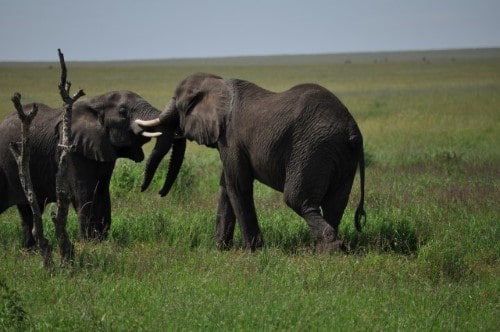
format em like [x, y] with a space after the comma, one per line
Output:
[333, 210]
[94, 212]
[84, 209]
[240, 192]
[244, 209]
[84, 205]
[326, 235]
[27, 225]
[311, 212]
[226, 219]
[101, 212]
[92, 199]
[304, 189]
[335, 203]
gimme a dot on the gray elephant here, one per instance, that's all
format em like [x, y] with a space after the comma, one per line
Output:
[302, 142]
[104, 129]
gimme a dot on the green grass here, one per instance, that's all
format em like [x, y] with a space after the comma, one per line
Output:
[428, 258]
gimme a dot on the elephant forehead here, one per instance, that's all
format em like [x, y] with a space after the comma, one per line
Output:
[109, 99]
[116, 96]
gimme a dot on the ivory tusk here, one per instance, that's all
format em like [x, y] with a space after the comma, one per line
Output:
[148, 123]
[147, 134]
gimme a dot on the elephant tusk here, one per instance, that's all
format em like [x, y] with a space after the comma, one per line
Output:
[148, 123]
[147, 134]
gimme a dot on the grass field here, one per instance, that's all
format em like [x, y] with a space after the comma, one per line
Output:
[428, 258]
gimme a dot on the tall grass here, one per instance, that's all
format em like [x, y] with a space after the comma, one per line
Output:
[428, 258]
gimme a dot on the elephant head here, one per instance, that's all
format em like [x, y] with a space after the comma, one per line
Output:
[104, 127]
[197, 112]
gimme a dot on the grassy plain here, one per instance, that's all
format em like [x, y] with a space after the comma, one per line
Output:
[428, 258]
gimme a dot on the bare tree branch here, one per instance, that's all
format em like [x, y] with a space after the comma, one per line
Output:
[64, 85]
[65, 148]
[21, 152]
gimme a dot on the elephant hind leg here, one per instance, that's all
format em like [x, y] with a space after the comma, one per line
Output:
[335, 202]
[334, 206]
[304, 189]
[311, 212]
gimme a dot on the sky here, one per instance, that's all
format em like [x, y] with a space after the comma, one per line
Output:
[102, 30]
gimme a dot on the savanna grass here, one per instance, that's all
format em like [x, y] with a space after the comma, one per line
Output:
[427, 259]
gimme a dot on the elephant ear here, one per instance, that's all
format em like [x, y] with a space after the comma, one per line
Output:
[90, 136]
[204, 114]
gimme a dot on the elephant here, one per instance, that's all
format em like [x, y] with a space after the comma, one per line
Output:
[302, 142]
[103, 129]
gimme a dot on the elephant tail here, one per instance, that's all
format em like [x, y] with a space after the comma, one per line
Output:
[360, 211]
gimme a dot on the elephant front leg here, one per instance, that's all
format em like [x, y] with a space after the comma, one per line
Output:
[27, 225]
[101, 214]
[244, 209]
[84, 211]
[94, 216]
[93, 204]
[226, 220]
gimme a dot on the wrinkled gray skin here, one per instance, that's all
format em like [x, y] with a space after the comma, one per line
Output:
[302, 142]
[104, 129]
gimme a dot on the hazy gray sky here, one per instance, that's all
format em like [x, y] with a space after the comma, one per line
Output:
[132, 29]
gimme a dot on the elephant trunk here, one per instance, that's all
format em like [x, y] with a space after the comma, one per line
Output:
[161, 148]
[176, 159]
[167, 122]
[144, 112]
[169, 119]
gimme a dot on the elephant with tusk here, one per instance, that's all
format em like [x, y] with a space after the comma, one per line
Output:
[302, 142]
[103, 129]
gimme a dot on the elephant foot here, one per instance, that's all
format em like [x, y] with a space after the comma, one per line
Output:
[93, 234]
[255, 243]
[330, 247]
[224, 245]
[67, 251]
[46, 252]
[29, 244]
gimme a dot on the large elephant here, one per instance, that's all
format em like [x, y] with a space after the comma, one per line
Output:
[302, 142]
[104, 129]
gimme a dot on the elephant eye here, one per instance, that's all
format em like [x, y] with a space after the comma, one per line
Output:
[123, 112]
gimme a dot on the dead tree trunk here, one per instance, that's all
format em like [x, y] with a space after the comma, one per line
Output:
[65, 149]
[21, 151]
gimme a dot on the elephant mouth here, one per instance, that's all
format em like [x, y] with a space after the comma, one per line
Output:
[134, 153]
[153, 129]
[145, 132]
